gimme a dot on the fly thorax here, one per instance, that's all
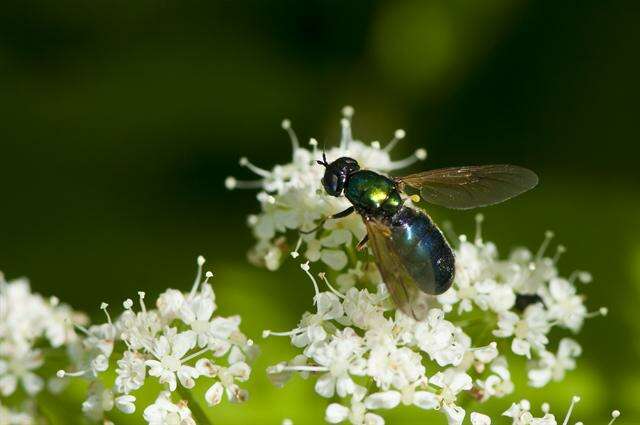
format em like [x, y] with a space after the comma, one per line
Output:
[369, 191]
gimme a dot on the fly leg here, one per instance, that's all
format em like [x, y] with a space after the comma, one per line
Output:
[341, 214]
[363, 243]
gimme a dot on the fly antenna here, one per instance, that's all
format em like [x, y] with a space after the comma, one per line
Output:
[324, 157]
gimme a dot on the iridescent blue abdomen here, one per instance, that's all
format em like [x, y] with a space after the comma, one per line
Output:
[425, 252]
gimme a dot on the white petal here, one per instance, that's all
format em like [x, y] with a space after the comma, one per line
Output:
[425, 400]
[336, 413]
[32, 383]
[344, 386]
[335, 259]
[183, 342]
[373, 419]
[213, 395]
[241, 371]
[455, 414]
[480, 419]
[383, 400]
[126, 404]
[521, 347]
[325, 385]
[8, 385]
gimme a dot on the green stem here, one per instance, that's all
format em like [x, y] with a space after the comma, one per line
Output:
[196, 411]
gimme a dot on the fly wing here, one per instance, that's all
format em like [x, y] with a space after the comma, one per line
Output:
[472, 186]
[403, 289]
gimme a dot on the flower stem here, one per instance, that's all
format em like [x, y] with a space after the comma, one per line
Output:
[196, 411]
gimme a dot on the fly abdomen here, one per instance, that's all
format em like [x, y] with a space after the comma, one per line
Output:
[424, 250]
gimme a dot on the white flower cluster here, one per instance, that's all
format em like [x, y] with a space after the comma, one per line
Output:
[356, 341]
[292, 199]
[520, 413]
[374, 357]
[177, 343]
[33, 329]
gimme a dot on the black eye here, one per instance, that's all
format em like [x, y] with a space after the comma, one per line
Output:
[333, 182]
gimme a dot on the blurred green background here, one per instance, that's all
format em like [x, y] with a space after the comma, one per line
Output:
[120, 120]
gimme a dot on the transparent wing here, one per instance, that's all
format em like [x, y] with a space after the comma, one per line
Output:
[402, 288]
[472, 186]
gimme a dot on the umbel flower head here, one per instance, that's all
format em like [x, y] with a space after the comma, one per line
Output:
[292, 199]
[178, 343]
[33, 331]
[367, 356]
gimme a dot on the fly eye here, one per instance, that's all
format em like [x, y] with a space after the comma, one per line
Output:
[331, 183]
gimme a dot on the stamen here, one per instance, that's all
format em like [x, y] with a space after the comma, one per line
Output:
[286, 125]
[297, 331]
[581, 276]
[614, 415]
[252, 219]
[418, 155]
[104, 307]
[82, 329]
[141, 297]
[375, 144]
[545, 408]
[479, 220]
[305, 267]
[398, 135]
[194, 355]
[283, 368]
[346, 138]
[127, 304]
[4, 311]
[62, 373]
[196, 283]
[348, 111]
[575, 399]
[323, 276]
[492, 344]
[314, 143]
[447, 227]
[561, 249]
[294, 253]
[265, 198]
[602, 311]
[244, 162]
[548, 235]
[232, 183]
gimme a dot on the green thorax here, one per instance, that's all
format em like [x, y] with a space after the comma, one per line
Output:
[373, 193]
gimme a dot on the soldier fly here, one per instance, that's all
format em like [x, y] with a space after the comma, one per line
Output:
[412, 254]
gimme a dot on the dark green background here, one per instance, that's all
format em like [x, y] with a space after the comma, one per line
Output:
[119, 121]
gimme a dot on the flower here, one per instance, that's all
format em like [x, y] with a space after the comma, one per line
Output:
[357, 412]
[291, 197]
[498, 383]
[163, 411]
[451, 382]
[178, 343]
[360, 349]
[529, 331]
[341, 360]
[20, 369]
[554, 366]
[34, 331]
[564, 304]
[169, 350]
[131, 371]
